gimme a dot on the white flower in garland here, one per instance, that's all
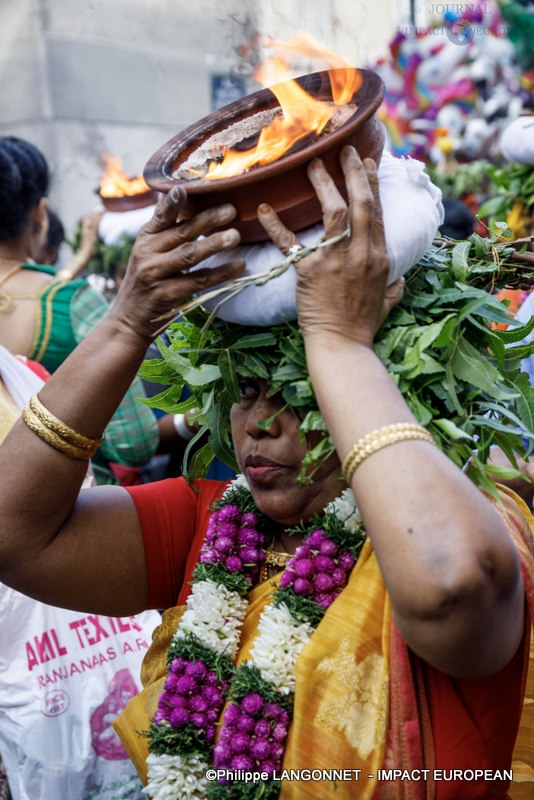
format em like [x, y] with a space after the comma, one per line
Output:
[214, 615]
[345, 509]
[279, 642]
[239, 482]
[176, 778]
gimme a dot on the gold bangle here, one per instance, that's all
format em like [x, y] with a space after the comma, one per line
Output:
[379, 438]
[51, 438]
[62, 430]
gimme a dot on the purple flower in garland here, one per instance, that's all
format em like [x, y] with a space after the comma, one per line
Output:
[252, 703]
[229, 513]
[253, 732]
[192, 695]
[179, 717]
[248, 724]
[319, 570]
[233, 540]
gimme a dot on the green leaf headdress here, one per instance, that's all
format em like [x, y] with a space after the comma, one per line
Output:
[459, 375]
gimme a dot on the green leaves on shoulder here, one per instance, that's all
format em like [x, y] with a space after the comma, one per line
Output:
[461, 376]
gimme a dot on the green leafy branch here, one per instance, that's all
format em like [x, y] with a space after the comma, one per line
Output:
[106, 258]
[509, 184]
[460, 376]
[462, 178]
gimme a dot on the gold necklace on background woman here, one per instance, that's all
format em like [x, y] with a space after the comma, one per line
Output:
[6, 300]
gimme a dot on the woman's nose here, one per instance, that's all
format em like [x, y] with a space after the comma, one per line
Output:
[264, 417]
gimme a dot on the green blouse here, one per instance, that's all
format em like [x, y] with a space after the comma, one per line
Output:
[66, 312]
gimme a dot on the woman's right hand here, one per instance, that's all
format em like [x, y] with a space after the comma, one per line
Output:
[351, 272]
[158, 278]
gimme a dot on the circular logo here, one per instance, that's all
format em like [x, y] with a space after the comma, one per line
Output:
[461, 31]
[55, 703]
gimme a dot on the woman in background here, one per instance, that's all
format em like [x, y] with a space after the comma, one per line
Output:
[43, 316]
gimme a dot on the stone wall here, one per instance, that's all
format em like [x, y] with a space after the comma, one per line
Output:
[85, 77]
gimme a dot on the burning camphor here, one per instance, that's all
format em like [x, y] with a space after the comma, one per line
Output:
[300, 113]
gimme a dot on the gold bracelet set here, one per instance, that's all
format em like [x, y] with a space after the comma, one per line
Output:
[379, 438]
[56, 433]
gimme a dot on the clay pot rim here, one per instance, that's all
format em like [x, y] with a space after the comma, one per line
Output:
[128, 202]
[158, 170]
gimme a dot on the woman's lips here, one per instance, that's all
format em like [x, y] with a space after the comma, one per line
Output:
[260, 469]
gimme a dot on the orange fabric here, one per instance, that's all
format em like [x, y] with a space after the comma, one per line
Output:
[514, 296]
[342, 695]
[473, 731]
[522, 787]
[173, 518]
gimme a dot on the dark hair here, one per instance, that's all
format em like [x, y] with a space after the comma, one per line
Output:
[24, 181]
[56, 231]
[47, 252]
[459, 222]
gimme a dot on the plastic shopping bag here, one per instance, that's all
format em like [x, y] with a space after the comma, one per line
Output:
[64, 677]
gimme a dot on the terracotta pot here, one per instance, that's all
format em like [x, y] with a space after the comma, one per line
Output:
[284, 183]
[129, 202]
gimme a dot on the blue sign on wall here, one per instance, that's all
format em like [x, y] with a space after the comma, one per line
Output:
[225, 90]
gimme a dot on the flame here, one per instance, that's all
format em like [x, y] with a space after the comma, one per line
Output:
[116, 183]
[301, 114]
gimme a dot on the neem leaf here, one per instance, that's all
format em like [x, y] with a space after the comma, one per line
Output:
[253, 340]
[459, 263]
[228, 373]
[477, 471]
[517, 334]
[505, 473]
[524, 402]
[292, 347]
[313, 421]
[451, 430]
[467, 366]
[198, 459]
[501, 227]
[219, 439]
[492, 206]
[298, 393]
[196, 376]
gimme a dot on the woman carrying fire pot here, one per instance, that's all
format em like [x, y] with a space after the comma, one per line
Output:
[371, 618]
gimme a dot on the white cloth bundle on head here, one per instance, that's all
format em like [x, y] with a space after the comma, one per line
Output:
[412, 211]
[517, 140]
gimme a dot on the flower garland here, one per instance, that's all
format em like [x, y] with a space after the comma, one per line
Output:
[202, 676]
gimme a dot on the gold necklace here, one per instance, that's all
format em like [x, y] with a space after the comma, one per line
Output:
[6, 300]
[274, 562]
